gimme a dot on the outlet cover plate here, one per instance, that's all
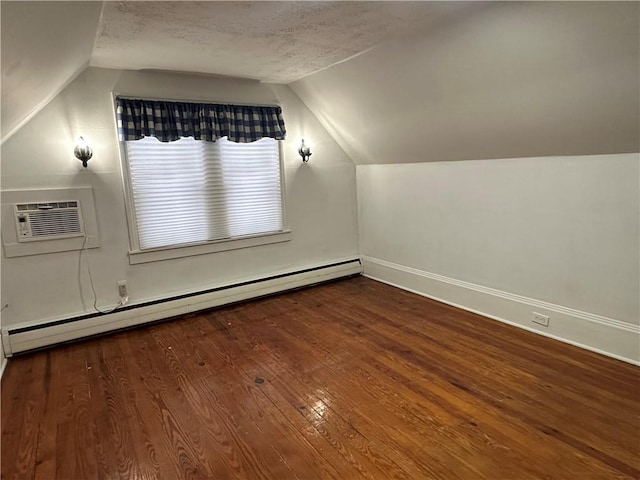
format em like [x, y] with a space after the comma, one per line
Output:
[122, 288]
[540, 319]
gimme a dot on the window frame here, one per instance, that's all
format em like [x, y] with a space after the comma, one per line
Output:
[137, 255]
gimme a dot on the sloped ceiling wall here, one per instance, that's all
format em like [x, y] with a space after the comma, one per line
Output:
[498, 80]
[45, 45]
[512, 79]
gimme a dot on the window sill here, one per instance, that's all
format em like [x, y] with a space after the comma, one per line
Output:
[159, 254]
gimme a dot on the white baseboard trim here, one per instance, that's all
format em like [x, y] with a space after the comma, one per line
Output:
[22, 338]
[3, 366]
[599, 334]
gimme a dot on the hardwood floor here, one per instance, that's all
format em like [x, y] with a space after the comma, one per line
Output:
[347, 380]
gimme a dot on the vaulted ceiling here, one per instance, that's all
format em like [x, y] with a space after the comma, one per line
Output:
[392, 82]
[46, 44]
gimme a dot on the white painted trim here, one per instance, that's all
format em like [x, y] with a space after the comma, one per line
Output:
[607, 336]
[6, 347]
[57, 333]
[158, 254]
[3, 360]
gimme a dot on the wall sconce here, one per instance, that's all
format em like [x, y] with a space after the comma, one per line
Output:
[83, 151]
[304, 151]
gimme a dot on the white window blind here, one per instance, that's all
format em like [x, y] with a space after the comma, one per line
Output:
[191, 191]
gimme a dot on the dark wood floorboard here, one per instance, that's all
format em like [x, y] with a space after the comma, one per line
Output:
[348, 380]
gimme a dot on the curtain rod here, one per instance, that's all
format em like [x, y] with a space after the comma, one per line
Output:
[240, 104]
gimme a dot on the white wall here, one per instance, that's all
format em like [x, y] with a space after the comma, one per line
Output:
[562, 231]
[44, 46]
[320, 197]
[500, 80]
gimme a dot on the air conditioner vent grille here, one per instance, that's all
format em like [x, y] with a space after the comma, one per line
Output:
[54, 222]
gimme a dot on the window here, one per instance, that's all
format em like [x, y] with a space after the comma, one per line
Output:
[192, 192]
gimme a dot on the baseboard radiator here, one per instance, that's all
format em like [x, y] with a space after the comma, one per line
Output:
[21, 339]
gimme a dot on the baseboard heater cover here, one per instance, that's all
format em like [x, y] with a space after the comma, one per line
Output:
[22, 339]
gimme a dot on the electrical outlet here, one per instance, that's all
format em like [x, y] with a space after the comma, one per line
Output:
[540, 319]
[122, 288]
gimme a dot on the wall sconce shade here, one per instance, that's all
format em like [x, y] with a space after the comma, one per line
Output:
[83, 152]
[304, 151]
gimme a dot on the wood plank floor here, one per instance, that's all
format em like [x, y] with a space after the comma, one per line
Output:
[347, 380]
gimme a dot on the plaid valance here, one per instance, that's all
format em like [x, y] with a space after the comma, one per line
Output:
[169, 121]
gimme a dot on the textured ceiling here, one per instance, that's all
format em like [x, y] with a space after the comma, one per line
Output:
[276, 42]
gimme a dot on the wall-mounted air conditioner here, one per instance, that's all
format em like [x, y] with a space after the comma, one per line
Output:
[65, 218]
[48, 220]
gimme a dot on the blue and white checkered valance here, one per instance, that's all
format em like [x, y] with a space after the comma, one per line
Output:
[169, 121]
